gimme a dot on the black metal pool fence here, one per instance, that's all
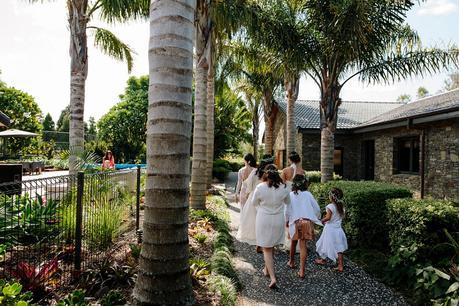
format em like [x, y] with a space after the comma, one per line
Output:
[57, 227]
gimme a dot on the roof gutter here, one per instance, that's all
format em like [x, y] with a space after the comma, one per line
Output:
[410, 121]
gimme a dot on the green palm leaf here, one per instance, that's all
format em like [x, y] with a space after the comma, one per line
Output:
[108, 43]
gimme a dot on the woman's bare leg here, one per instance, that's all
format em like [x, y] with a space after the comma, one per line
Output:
[269, 263]
[291, 261]
[303, 257]
[340, 262]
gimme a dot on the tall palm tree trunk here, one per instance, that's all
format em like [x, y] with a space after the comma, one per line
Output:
[256, 128]
[210, 123]
[329, 104]
[292, 86]
[78, 74]
[268, 110]
[199, 161]
[163, 277]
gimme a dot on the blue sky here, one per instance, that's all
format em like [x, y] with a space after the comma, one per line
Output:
[34, 56]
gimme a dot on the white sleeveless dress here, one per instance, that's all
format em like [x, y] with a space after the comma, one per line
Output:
[333, 239]
[246, 231]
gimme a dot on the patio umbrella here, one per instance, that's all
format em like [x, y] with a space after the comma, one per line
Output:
[13, 133]
[17, 133]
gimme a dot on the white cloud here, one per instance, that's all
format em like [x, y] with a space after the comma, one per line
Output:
[438, 8]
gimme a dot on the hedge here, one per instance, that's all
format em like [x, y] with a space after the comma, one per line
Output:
[315, 176]
[419, 225]
[365, 222]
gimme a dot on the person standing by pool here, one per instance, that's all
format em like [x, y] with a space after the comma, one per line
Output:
[108, 162]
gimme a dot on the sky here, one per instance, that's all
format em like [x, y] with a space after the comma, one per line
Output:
[34, 43]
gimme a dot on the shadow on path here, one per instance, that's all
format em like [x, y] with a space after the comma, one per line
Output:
[321, 286]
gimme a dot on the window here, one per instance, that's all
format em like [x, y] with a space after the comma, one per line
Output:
[338, 161]
[407, 154]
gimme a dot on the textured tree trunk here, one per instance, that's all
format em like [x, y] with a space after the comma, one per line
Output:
[199, 160]
[329, 105]
[163, 277]
[268, 110]
[256, 129]
[292, 85]
[78, 73]
[210, 124]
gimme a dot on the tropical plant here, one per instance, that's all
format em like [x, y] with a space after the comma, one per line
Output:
[163, 276]
[113, 297]
[80, 14]
[10, 294]
[35, 278]
[76, 298]
[199, 269]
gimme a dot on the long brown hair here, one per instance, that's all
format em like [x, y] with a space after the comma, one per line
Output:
[274, 179]
[336, 196]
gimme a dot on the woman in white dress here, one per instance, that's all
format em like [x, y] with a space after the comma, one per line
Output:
[269, 199]
[301, 214]
[242, 175]
[246, 231]
[332, 242]
[295, 168]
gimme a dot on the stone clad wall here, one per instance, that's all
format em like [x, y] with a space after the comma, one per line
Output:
[442, 161]
[311, 152]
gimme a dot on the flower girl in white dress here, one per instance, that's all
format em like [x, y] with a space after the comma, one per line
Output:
[332, 242]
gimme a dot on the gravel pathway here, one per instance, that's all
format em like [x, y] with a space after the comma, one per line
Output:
[321, 286]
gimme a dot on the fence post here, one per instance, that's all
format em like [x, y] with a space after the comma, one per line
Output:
[79, 220]
[137, 203]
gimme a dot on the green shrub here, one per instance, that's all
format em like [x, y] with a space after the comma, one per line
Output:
[112, 298]
[419, 224]
[314, 176]
[235, 166]
[224, 287]
[11, 294]
[365, 223]
[221, 169]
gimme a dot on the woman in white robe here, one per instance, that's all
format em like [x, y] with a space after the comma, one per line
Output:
[269, 198]
[246, 231]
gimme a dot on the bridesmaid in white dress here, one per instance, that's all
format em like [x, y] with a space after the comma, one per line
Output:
[242, 175]
[246, 231]
[332, 242]
[269, 198]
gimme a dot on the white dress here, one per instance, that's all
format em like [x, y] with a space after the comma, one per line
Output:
[333, 239]
[246, 231]
[302, 205]
[241, 187]
[270, 221]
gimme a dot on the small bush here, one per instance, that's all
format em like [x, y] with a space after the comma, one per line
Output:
[200, 237]
[366, 212]
[419, 224]
[225, 287]
[221, 169]
[315, 176]
[11, 294]
[113, 297]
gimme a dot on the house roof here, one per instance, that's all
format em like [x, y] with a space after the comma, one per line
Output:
[421, 108]
[4, 120]
[351, 114]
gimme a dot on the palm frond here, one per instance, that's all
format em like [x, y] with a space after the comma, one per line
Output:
[121, 10]
[396, 67]
[108, 43]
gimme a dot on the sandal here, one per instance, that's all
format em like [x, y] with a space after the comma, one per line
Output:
[273, 286]
[301, 276]
[291, 264]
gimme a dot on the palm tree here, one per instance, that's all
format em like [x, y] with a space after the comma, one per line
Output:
[280, 39]
[199, 164]
[368, 39]
[80, 13]
[163, 277]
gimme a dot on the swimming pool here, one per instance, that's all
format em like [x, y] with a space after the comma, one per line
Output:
[129, 166]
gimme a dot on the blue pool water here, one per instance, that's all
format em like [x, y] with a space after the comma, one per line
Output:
[129, 166]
